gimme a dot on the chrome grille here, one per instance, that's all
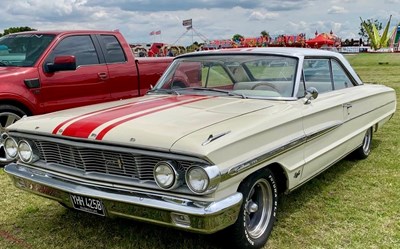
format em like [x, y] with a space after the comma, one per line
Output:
[101, 161]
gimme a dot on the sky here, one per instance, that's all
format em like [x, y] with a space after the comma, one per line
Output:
[211, 19]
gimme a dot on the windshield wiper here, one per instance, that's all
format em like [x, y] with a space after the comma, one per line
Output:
[3, 64]
[168, 91]
[230, 93]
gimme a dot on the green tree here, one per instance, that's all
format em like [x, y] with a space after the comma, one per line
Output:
[368, 23]
[265, 34]
[237, 37]
[17, 29]
[378, 41]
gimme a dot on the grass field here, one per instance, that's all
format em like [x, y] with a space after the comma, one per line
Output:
[355, 204]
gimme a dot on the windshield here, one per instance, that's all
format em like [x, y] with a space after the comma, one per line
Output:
[22, 49]
[265, 76]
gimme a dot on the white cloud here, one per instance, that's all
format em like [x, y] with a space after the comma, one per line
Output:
[257, 15]
[337, 10]
[343, 1]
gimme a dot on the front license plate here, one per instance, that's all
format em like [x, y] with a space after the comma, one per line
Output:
[87, 204]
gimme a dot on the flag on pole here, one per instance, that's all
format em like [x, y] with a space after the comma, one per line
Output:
[157, 32]
[187, 22]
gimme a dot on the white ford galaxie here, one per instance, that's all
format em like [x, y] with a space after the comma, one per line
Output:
[210, 147]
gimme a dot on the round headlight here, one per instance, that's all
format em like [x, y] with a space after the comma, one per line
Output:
[197, 179]
[166, 175]
[11, 147]
[25, 151]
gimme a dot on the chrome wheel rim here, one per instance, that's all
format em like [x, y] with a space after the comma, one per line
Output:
[258, 208]
[367, 142]
[6, 119]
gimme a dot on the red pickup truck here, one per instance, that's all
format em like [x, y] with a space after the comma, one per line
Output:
[46, 71]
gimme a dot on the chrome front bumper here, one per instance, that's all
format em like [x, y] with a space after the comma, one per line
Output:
[186, 214]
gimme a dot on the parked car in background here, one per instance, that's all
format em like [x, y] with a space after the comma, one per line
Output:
[211, 146]
[46, 71]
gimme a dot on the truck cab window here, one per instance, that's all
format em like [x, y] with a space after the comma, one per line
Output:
[113, 50]
[80, 46]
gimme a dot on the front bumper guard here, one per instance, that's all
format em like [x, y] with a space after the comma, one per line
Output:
[185, 214]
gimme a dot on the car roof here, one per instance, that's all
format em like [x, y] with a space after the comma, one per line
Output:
[288, 51]
[284, 51]
[62, 32]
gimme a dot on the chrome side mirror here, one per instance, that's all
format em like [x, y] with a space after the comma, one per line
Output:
[311, 94]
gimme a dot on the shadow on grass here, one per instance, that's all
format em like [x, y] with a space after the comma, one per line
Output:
[296, 200]
[55, 226]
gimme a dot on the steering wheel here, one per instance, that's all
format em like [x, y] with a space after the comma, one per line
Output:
[177, 84]
[270, 85]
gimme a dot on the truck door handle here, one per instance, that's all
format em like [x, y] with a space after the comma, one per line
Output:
[102, 76]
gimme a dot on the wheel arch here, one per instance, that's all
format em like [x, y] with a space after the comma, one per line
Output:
[17, 104]
[279, 173]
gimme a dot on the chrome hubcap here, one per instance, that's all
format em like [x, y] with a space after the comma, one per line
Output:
[367, 141]
[258, 208]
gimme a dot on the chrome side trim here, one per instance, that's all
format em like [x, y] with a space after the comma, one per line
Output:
[318, 133]
[263, 158]
[278, 151]
[275, 152]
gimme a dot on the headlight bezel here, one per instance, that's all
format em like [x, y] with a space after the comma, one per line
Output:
[21, 155]
[22, 145]
[211, 174]
[15, 146]
[176, 173]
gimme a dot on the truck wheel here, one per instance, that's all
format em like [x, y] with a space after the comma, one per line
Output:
[258, 211]
[8, 115]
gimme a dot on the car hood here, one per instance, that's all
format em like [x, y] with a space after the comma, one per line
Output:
[150, 121]
[10, 74]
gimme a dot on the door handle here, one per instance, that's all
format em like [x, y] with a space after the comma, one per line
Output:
[348, 106]
[102, 76]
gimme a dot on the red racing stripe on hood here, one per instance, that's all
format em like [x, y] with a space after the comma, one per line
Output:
[58, 127]
[83, 128]
[111, 126]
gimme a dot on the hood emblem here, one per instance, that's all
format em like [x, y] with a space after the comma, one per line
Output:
[212, 137]
[114, 162]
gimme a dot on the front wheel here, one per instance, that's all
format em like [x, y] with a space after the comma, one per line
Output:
[258, 211]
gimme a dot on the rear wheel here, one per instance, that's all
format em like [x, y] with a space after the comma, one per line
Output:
[364, 150]
[8, 115]
[258, 211]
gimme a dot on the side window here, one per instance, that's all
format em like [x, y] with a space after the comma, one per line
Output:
[114, 52]
[317, 73]
[79, 46]
[340, 78]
